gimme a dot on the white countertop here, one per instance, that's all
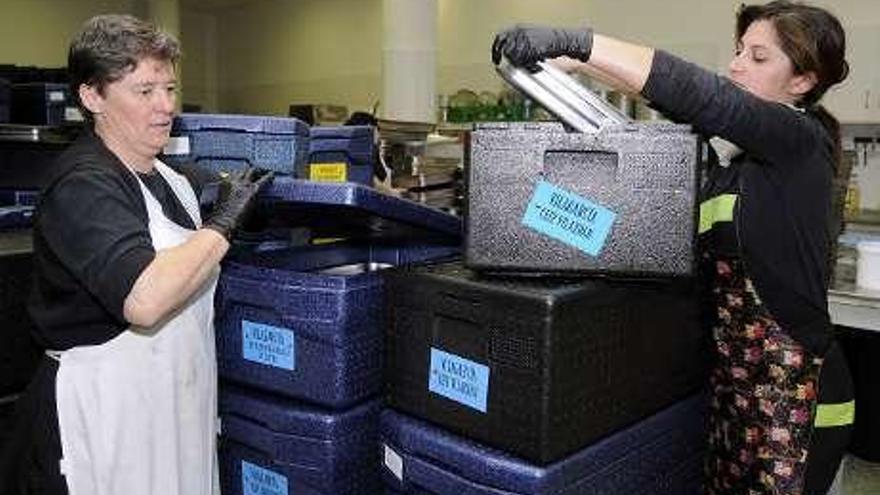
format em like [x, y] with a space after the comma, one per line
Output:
[848, 304]
[855, 307]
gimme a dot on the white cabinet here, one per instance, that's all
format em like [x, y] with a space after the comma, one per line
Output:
[858, 98]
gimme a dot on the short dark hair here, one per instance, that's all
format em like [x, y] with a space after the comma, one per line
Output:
[110, 46]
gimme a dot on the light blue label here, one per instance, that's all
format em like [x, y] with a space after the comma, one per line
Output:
[268, 345]
[459, 379]
[260, 481]
[569, 218]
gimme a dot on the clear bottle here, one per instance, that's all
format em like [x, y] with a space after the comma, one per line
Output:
[442, 109]
[852, 203]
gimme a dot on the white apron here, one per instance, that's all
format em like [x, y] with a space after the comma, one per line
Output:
[137, 415]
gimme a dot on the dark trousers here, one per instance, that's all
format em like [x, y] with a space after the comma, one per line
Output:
[827, 445]
[29, 461]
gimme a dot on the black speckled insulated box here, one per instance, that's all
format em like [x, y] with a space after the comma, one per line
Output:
[621, 201]
[535, 366]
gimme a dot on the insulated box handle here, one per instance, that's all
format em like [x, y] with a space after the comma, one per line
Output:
[563, 96]
[247, 291]
[250, 434]
[290, 448]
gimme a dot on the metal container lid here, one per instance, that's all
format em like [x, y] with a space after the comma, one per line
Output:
[562, 96]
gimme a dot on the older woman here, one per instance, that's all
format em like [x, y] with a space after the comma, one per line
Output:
[125, 401]
[782, 399]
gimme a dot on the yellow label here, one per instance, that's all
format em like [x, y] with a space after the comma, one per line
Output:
[328, 172]
[326, 240]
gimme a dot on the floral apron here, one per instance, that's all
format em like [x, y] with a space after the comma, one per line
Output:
[764, 393]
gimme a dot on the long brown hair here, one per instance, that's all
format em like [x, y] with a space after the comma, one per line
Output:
[814, 41]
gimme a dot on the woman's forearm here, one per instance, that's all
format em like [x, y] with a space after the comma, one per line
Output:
[173, 276]
[623, 66]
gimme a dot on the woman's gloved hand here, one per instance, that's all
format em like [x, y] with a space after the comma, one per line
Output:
[232, 208]
[523, 45]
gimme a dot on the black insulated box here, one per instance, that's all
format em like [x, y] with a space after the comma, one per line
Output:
[43, 103]
[538, 367]
[19, 354]
[5, 98]
[620, 201]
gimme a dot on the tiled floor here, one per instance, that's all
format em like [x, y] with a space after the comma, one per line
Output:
[859, 477]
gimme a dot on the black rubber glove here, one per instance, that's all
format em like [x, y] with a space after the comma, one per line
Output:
[523, 45]
[233, 207]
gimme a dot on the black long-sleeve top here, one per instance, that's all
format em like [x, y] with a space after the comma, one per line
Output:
[783, 180]
[91, 242]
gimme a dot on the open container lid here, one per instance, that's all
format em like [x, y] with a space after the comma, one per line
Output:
[190, 122]
[562, 95]
[354, 211]
[350, 132]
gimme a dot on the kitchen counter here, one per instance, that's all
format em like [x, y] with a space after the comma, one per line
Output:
[16, 242]
[848, 304]
[854, 307]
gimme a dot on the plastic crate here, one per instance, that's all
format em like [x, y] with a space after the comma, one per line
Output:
[622, 201]
[661, 455]
[225, 142]
[539, 367]
[277, 446]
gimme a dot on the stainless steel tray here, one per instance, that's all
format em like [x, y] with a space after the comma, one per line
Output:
[33, 133]
[562, 96]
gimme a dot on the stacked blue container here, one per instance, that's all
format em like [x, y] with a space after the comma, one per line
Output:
[661, 455]
[17, 208]
[19, 197]
[340, 154]
[223, 142]
[273, 446]
[300, 343]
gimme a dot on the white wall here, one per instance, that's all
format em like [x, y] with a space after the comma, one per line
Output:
[265, 54]
[199, 72]
[37, 32]
[276, 52]
[467, 27]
